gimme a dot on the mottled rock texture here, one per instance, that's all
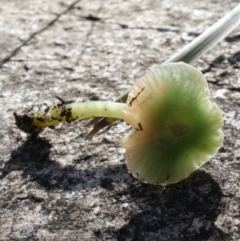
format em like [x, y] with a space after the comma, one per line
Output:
[62, 186]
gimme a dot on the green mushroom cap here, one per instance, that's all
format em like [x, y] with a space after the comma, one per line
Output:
[177, 127]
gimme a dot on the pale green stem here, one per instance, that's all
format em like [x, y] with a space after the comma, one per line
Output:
[96, 109]
[76, 111]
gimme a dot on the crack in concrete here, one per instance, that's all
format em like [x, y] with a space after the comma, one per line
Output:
[93, 19]
[126, 26]
[25, 42]
[237, 89]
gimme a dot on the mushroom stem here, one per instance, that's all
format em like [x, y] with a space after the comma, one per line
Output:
[34, 121]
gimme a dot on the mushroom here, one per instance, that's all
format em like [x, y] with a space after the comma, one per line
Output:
[177, 127]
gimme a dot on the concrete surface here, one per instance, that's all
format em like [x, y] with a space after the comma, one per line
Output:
[61, 186]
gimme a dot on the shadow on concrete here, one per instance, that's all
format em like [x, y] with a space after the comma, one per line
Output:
[33, 159]
[183, 212]
[232, 60]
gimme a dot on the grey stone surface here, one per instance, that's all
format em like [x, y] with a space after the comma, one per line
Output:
[61, 186]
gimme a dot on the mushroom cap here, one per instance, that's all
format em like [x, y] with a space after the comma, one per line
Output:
[177, 127]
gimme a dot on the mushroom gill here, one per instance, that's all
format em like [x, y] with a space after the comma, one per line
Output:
[177, 127]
